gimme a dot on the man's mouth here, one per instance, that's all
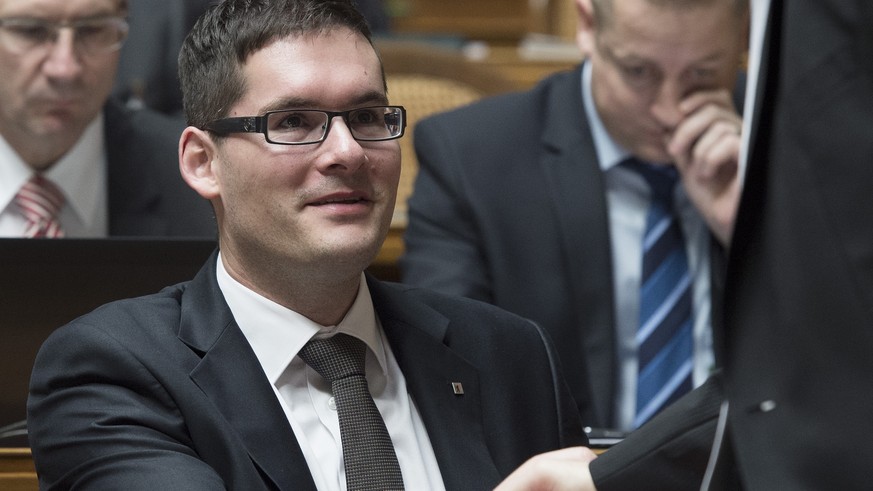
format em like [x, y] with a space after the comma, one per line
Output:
[344, 201]
[341, 198]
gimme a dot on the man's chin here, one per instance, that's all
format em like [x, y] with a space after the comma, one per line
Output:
[58, 124]
[361, 246]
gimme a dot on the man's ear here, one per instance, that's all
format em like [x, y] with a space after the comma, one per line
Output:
[586, 29]
[197, 152]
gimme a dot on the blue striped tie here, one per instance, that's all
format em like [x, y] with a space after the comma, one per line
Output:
[664, 338]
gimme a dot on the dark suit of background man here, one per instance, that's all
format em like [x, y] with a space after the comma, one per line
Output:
[201, 386]
[522, 200]
[798, 330]
[116, 168]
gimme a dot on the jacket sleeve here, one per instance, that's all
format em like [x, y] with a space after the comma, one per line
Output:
[98, 418]
[670, 452]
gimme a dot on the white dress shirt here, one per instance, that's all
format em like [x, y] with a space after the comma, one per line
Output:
[81, 176]
[277, 334]
[627, 196]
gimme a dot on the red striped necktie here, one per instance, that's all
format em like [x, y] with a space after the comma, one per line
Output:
[40, 200]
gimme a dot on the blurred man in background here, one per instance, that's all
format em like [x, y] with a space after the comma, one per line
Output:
[72, 162]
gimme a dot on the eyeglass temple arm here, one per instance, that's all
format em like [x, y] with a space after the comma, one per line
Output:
[245, 124]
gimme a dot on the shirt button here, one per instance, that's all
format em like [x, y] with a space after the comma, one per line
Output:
[331, 403]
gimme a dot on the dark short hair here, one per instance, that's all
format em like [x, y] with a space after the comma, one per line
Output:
[212, 56]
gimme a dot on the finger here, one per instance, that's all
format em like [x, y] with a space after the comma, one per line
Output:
[720, 144]
[583, 454]
[552, 471]
[690, 129]
[721, 161]
[696, 100]
[720, 132]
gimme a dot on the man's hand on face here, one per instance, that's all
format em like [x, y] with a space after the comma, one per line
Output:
[705, 147]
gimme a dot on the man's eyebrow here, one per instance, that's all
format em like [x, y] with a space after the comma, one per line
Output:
[368, 98]
[286, 103]
[97, 15]
[373, 97]
[608, 52]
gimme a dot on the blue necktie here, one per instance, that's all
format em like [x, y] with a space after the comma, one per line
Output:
[664, 337]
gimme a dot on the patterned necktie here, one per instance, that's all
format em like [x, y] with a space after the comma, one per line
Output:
[664, 337]
[40, 200]
[368, 453]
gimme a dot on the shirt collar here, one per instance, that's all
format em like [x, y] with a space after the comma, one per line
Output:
[80, 170]
[277, 333]
[75, 173]
[609, 153]
[14, 172]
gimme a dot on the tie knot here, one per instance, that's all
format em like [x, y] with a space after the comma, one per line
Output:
[661, 178]
[336, 357]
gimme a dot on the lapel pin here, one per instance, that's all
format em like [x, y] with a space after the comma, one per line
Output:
[458, 388]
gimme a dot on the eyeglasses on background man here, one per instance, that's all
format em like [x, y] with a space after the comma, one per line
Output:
[21, 35]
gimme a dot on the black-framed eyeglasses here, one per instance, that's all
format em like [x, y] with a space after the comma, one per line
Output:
[307, 126]
[92, 35]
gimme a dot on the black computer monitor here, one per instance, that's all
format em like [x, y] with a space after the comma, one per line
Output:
[45, 283]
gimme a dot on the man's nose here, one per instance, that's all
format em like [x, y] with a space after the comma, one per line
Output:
[63, 59]
[340, 147]
[665, 107]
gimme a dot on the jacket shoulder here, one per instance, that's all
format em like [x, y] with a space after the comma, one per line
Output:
[471, 317]
[131, 320]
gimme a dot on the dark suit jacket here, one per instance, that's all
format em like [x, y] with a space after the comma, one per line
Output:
[799, 364]
[510, 207]
[799, 292]
[164, 392]
[147, 195]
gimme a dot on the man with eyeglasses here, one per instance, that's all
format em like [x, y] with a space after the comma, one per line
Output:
[74, 163]
[229, 381]
[543, 202]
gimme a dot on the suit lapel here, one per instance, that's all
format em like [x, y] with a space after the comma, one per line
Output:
[228, 368]
[453, 421]
[570, 164]
[416, 335]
